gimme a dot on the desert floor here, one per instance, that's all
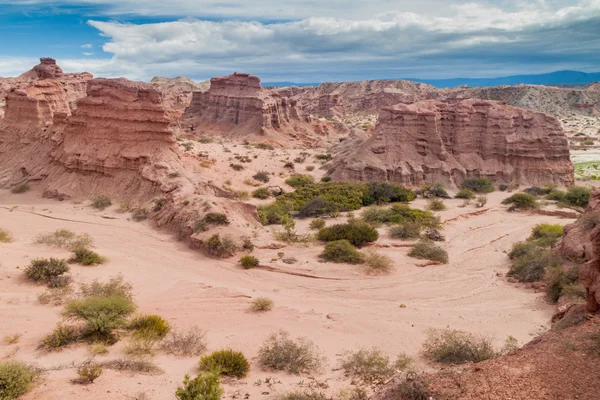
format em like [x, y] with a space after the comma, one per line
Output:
[345, 310]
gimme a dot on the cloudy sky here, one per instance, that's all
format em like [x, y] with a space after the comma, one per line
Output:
[302, 40]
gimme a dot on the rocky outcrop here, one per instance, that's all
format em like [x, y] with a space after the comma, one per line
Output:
[177, 93]
[432, 141]
[593, 86]
[582, 243]
[237, 105]
[46, 69]
[36, 104]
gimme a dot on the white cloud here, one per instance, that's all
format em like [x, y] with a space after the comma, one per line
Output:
[88, 54]
[86, 46]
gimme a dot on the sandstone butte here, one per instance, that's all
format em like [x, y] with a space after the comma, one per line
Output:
[237, 106]
[432, 141]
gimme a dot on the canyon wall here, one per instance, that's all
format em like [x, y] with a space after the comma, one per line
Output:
[432, 141]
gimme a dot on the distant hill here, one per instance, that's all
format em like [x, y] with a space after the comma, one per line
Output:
[558, 78]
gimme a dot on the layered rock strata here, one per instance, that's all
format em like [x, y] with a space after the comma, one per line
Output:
[432, 141]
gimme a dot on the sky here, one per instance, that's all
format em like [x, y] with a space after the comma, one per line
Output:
[302, 40]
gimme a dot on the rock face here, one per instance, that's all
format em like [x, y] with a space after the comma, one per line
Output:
[580, 243]
[238, 105]
[47, 69]
[432, 141]
[177, 93]
[37, 104]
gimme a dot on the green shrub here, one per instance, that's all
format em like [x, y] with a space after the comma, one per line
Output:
[371, 366]
[559, 281]
[465, 194]
[262, 176]
[262, 304]
[378, 263]
[5, 236]
[478, 185]
[225, 362]
[249, 262]
[310, 168]
[346, 196]
[317, 224]
[275, 213]
[429, 251]
[358, 233]
[326, 179]
[436, 205]
[522, 201]
[532, 265]
[261, 193]
[84, 256]
[16, 379]
[185, 343]
[546, 234]
[399, 214]
[220, 248]
[297, 181]
[539, 191]
[22, 188]
[101, 202]
[590, 220]
[455, 347]
[520, 249]
[47, 271]
[317, 207]
[407, 230]
[282, 353]
[403, 361]
[383, 192]
[247, 244]
[61, 336]
[216, 219]
[324, 157]
[557, 195]
[578, 196]
[101, 315]
[149, 326]
[88, 372]
[342, 251]
[433, 190]
[205, 386]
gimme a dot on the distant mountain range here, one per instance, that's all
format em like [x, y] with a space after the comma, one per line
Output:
[558, 78]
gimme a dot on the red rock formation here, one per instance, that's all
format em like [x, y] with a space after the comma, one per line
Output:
[37, 103]
[432, 141]
[237, 105]
[177, 93]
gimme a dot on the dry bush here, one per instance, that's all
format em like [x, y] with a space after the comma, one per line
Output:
[225, 362]
[449, 346]
[50, 271]
[403, 361]
[262, 304]
[56, 296]
[412, 388]
[88, 372]
[185, 343]
[140, 347]
[220, 247]
[22, 188]
[317, 224]
[139, 215]
[101, 202]
[84, 256]
[481, 201]
[139, 366]
[12, 339]
[16, 379]
[304, 395]
[281, 352]
[435, 205]
[342, 251]
[5, 236]
[371, 366]
[98, 349]
[61, 336]
[116, 286]
[378, 263]
[407, 230]
[149, 326]
[249, 262]
[429, 251]
[576, 315]
[64, 238]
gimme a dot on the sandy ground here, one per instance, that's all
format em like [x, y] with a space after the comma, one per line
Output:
[345, 311]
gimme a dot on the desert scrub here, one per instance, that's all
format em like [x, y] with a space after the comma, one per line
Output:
[383, 192]
[342, 251]
[558, 279]
[531, 265]
[100, 315]
[88, 372]
[16, 379]
[5, 236]
[139, 215]
[589, 220]
[138, 347]
[521, 201]
[282, 353]
[101, 202]
[465, 194]
[574, 316]
[262, 304]
[346, 196]
[261, 193]
[220, 247]
[428, 250]
[98, 349]
[436, 205]
[377, 264]
[225, 362]
[215, 219]
[578, 196]
[191, 342]
[358, 233]
[546, 235]
[407, 230]
[149, 326]
[22, 188]
[371, 366]
[481, 201]
[413, 387]
[205, 386]
[138, 366]
[398, 214]
[449, 346]
[297, 181]
[84, 256]
[433, 190]
[317, 224]
[478, 185]
[64, 238]
[236, 167]
[539, 191]
[317, 207]
[61, 336]
[262, 176]
[248, 262]
[50, 271]
[12, 339]
[116, 286]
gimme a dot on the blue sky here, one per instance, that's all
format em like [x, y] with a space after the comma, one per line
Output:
[302, 40]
